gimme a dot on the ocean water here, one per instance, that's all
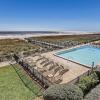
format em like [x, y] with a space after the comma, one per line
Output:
[26, 32]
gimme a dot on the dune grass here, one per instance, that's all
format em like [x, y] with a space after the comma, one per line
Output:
[80, 38]
[11, 87]
[10, 46]
[15, 45]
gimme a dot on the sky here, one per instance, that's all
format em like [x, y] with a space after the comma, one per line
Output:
[54, 15]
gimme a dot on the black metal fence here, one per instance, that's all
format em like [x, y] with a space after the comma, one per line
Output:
[34, 72]
[43, 80]
[77, 79]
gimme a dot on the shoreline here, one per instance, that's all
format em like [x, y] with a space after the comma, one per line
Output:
[11, 36]
[22, 36]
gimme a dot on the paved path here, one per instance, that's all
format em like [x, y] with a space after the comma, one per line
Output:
[2, 64]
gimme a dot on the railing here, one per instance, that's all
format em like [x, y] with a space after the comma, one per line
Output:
[46, 43]
[38, 75]
[43, 80]
[77, 79]
[27, 81]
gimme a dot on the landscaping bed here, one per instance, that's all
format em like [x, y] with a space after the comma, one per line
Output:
[10, 46]
[94, 94]
[76, 92]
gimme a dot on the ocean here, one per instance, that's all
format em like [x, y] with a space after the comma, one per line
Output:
[27, 32]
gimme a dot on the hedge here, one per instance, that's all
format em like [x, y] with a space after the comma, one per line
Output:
[63, 92]
[88, 82]
[72, 92]
[98, 74]
[94, 94]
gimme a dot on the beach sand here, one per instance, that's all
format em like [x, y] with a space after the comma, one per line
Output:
[11, 36]
[22, 36]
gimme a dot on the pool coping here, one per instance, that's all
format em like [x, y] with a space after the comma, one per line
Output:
[73, 61]
[55, 54]
[74, 72]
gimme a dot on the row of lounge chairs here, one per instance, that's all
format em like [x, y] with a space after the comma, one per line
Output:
[48, 68]
[51, 70]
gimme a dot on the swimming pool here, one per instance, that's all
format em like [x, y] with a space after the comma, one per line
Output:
[85, 55]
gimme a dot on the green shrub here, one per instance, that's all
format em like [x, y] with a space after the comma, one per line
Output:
[63, 92]
[88, 82]
[94, 94]
[98, 74]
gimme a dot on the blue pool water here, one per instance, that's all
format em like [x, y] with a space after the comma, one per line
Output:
[86, 55]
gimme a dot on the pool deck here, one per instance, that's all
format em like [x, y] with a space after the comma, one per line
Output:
[75, 70]
[4, 64]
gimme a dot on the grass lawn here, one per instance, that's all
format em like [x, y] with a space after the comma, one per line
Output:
[11, 87]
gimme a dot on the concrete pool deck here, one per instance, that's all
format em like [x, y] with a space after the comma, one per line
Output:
[75, 70]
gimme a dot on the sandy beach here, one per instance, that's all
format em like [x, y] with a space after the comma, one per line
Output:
[11, 36]
[22, 36]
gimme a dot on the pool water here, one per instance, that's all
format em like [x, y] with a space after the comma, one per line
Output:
[85, 55]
